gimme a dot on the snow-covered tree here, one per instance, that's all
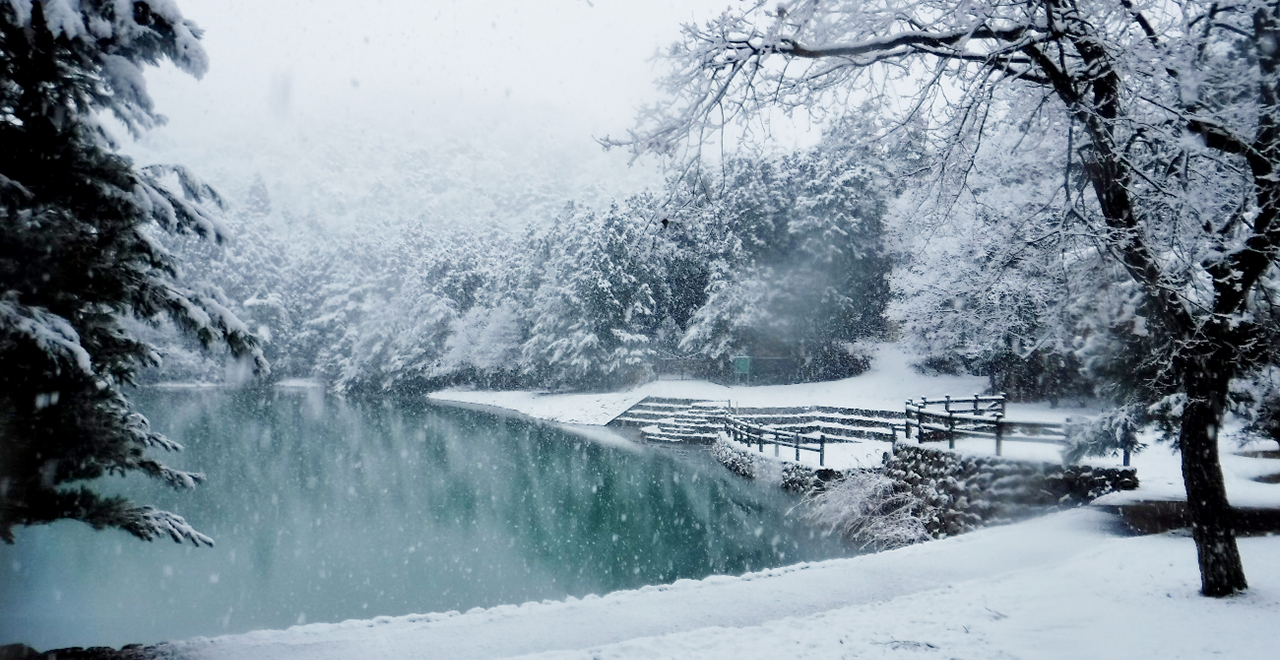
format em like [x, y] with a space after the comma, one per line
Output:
[1256, 399]
[1168, 117]
[264, 278]
[982, 284]
[389, 304]
[592, 311]
[79, 257]
[802, 267]
[484, 346]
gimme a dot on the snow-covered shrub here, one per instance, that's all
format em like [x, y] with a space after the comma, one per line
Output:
[870, 510]
[740, 463]
[1107, 434]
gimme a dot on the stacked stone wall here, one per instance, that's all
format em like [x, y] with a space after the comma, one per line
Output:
[958, 492]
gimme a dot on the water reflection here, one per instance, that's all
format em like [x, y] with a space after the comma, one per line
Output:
[325, 511]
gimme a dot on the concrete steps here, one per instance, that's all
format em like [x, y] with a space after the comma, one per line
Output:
[651, 410]
[674, 420]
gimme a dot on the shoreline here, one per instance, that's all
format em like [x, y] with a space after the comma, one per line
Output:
[996, 592]
[1005, 590]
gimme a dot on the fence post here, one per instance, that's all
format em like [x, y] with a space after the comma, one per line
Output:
[822, 450]
[796, 439]
[1003, 400]
[999, 434]
[948, 404]
[951, 426]
[924, 403]
[906, 426]
[975, 404]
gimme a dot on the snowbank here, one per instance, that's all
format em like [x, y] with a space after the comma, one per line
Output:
[1063, 586]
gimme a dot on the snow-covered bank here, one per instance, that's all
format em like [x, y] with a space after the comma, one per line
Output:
[1067, 585]
[1063, 586]
[886, 385]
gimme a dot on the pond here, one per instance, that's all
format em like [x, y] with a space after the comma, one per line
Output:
[324, 510]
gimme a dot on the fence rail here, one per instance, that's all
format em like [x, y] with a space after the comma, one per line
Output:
[978, 417]
[929, 420]
[977, 404]
[755, 434]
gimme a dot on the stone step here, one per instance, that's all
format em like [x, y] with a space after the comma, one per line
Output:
[687, 438]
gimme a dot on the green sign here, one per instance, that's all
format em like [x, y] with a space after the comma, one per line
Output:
[741, 364]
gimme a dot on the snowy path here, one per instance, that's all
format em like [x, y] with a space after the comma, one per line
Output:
[717, 602]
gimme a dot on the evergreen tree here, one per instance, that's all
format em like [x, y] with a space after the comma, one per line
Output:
[593, 313]
[79, 258]
[802, 270]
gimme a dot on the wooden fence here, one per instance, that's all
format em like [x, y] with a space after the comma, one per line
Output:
[755, 434]
[978, 417]
[837, 424]
[930, 420]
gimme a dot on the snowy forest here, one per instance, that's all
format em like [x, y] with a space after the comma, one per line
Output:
[781, 255]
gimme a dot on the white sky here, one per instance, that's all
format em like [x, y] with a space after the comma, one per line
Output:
[429, 60]
[323, 98]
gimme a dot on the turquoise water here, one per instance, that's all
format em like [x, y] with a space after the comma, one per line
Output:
[326, 511]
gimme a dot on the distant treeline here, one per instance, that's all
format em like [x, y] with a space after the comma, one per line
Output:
[779, 256]
[801, 256]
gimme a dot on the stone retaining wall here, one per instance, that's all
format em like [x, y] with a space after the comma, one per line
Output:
[962, 492]
[958, 492]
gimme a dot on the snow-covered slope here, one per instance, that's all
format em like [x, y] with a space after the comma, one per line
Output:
[1063, 586]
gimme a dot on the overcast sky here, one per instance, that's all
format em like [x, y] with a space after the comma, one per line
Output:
[315, 96]
[428, 60]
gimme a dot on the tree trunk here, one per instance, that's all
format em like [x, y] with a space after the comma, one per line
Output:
[1212, 525]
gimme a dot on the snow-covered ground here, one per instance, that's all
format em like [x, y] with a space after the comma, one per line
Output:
[1068, 585]
[1063, 586]
[885, 386]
